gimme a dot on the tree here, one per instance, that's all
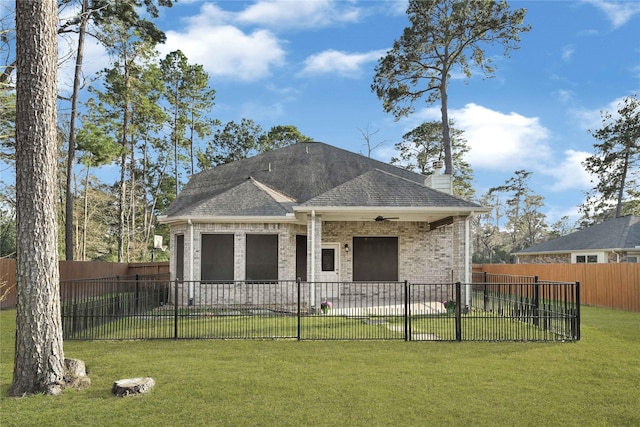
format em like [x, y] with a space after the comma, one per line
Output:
[71, 149]
[367, 134]
[130, 49]
[233, 142]
[616, 162]
[525, 224]
[7, 85]
[422, 146]
[237, 141]
[189, 96]
[281, 136]
[7, 222]
[39, 354]
[444, 35]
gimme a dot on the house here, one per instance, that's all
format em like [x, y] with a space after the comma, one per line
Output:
[615, 240]
[322, 214]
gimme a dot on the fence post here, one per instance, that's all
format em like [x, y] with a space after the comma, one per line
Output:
[137, 295]
[298, 282]
[458, 311]
[407, 332]
[536, 302]
[175, 310]
[576, 332]
[486, 292]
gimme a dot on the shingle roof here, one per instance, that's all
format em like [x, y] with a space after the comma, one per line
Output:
[307, 173]
[618, 233]
[379, 188]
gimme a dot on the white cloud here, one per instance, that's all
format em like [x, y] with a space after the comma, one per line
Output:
[216, 39]
[298, 14]
[592, 119]
[618, 13]
[343, 63]
[569, 174]
[564, 95]
[226, 51]
[501, 141]
[567, 53]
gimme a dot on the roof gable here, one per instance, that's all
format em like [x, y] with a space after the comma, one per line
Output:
[250, 197]
[378, 188]
[618, 233]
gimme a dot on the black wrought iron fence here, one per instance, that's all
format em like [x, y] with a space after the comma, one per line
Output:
[155, 308]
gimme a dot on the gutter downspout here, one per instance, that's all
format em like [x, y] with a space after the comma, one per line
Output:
[312, 301]
[467, 260]
[190, 261]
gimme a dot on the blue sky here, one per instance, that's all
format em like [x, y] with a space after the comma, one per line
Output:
[310, 63]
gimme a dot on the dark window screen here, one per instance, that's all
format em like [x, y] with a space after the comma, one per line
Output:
[180, 257]
[262, 257]
[301, 257]
[375, 259]
[217, 257]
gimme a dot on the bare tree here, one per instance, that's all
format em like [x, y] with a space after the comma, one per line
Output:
[367, 134]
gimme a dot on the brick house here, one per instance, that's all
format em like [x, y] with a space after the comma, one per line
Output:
[322, 214]
[612, 241]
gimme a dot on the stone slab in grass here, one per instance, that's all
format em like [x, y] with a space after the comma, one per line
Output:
[133, 386]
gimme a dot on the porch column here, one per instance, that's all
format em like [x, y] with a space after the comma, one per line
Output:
[314, 248]
[239, 255]
[458, 249]
[459, 254]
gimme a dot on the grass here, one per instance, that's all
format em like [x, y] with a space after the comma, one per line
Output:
[593, 382]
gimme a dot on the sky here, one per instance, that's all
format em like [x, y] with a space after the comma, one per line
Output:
[310, 63]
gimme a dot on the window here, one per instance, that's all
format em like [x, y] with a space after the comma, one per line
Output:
[180, 257]
[586, 259]
[375, 259]
[262, 257]
[301, 257]
[217, 257]
[328, 259]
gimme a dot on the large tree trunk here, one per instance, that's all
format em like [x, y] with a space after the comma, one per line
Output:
[39, 356]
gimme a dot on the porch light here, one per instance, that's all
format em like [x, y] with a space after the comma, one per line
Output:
[346, 247]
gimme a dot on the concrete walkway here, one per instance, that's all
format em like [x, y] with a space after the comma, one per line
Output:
[433, 307]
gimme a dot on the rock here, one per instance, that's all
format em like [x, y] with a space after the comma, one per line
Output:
[75, 367]
[75, 374]
[132, 386]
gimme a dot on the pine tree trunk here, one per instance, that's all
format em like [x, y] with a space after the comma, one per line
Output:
[39, 356]
[69, 202]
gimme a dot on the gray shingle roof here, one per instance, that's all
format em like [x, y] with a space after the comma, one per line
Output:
[618, 233]
[379, 188]
[308, 173]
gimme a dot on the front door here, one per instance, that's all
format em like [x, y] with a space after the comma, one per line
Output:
[330, 271]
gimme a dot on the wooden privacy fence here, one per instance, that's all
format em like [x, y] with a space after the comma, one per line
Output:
[601, 285]
[74, 270]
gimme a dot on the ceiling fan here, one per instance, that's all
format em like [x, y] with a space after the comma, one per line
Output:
[381, 218]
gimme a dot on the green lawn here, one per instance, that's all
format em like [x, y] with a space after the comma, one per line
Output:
[593, 382]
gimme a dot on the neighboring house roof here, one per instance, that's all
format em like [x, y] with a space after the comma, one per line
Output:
[618, 233]
[304, 175]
